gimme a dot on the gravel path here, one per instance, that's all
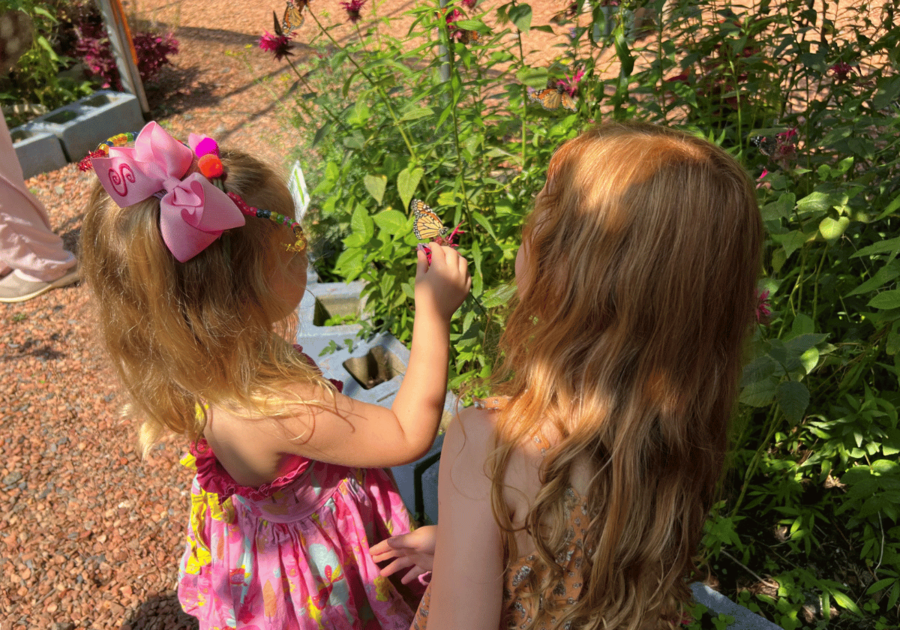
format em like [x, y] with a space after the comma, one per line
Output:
[91, 533]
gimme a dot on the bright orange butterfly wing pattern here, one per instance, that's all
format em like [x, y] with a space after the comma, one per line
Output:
[426, 224]
[552, 98]
[293, 15]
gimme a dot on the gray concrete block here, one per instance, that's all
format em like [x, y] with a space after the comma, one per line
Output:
[329, 299]
[743, 618]
[38, 151]
[82, 125]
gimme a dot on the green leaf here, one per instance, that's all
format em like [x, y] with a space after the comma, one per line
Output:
[760, 393]
[884, 275]
[810, 359]
[361, 223]
[833, 229]
[533, 77]
[793, 398]
[890, 209]
[483, 222]
[845, 602]
[886, 300]
[815, 202]
[407, 181]
[520, 15]
[884, 247]
[391, 221]
[416, 113]
[792, 241]
[880, 585]
[499, 295]
[375, 184]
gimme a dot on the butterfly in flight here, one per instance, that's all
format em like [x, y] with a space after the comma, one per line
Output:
[426, 225]
[293, 17]
[552, 98]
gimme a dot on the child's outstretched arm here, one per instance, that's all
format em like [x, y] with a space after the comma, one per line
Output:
[354, 433]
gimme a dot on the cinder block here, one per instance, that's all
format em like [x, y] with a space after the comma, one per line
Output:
[37, 150]
[744, 619]
[82, 125]
[329, 299]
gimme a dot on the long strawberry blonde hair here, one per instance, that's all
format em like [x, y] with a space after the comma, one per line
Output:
[643, 251]
[181, 335]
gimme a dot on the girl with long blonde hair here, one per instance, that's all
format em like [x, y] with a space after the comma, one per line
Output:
[576, 498]
[194, 257]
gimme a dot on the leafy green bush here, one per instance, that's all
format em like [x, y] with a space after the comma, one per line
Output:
[807, 527]
[36, 79]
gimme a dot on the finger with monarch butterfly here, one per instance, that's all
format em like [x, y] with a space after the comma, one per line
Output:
[552, 98]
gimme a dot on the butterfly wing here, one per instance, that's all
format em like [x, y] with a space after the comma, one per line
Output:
[765, 145]
[426, 224]
[550, 98]
[293, 15]
[567, 101]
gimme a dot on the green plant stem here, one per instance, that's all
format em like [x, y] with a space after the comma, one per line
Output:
[524, 95]
[815, 308]
[373, 83]
[451, 61]
[306, 110]
[772, 425]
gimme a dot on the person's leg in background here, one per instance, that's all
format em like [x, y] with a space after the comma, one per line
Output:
[32, 257]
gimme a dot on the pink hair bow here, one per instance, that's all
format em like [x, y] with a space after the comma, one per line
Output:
[192, 211]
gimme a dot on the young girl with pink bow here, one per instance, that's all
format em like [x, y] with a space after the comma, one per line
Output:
[194, 258]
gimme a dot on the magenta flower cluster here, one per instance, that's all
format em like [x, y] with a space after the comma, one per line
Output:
[278, 45]
[93, 48]
[353, 8]
[570, 84]
[841, 71]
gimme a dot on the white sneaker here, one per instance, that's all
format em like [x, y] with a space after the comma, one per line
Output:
[16, 289]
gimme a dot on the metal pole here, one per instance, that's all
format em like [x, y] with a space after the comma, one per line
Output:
[123, 50]
[445, 54]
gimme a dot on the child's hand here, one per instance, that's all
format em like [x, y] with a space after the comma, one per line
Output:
[415, 550]
[443, 285]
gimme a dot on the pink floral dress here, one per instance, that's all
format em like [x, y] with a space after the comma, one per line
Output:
[293, 553]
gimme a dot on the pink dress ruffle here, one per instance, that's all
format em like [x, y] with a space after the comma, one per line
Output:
[293, 553]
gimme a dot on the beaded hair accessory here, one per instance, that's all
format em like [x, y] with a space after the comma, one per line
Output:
[195, 210]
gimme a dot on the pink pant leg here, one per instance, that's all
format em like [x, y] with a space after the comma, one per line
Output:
[27, 244]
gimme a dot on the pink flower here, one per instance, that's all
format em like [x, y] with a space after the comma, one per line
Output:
[570, 84]
[440, 240]
[759, 180]
[278, 45]
[455, 32]
[841, 71]
[353, 7]
[763, 309]
[785, 147]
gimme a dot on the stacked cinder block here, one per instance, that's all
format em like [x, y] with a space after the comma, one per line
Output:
[69, 133]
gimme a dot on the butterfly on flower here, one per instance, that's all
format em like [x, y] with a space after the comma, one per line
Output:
[427, 225]
[552, 98]
[293, 16]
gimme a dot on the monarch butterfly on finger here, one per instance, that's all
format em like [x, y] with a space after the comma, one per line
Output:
[552, 98]
[426, 224]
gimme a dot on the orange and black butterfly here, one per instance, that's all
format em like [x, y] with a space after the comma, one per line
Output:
[426, 225]
[552, 98]
[469, 37]
[293, 15]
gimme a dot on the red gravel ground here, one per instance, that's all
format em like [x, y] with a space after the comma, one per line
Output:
[91, 533]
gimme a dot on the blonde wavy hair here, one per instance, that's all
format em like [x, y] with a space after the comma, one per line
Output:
[643, 251]
[203, 331]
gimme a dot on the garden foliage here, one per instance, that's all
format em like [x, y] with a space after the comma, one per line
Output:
[68, 32]
[804, 94]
